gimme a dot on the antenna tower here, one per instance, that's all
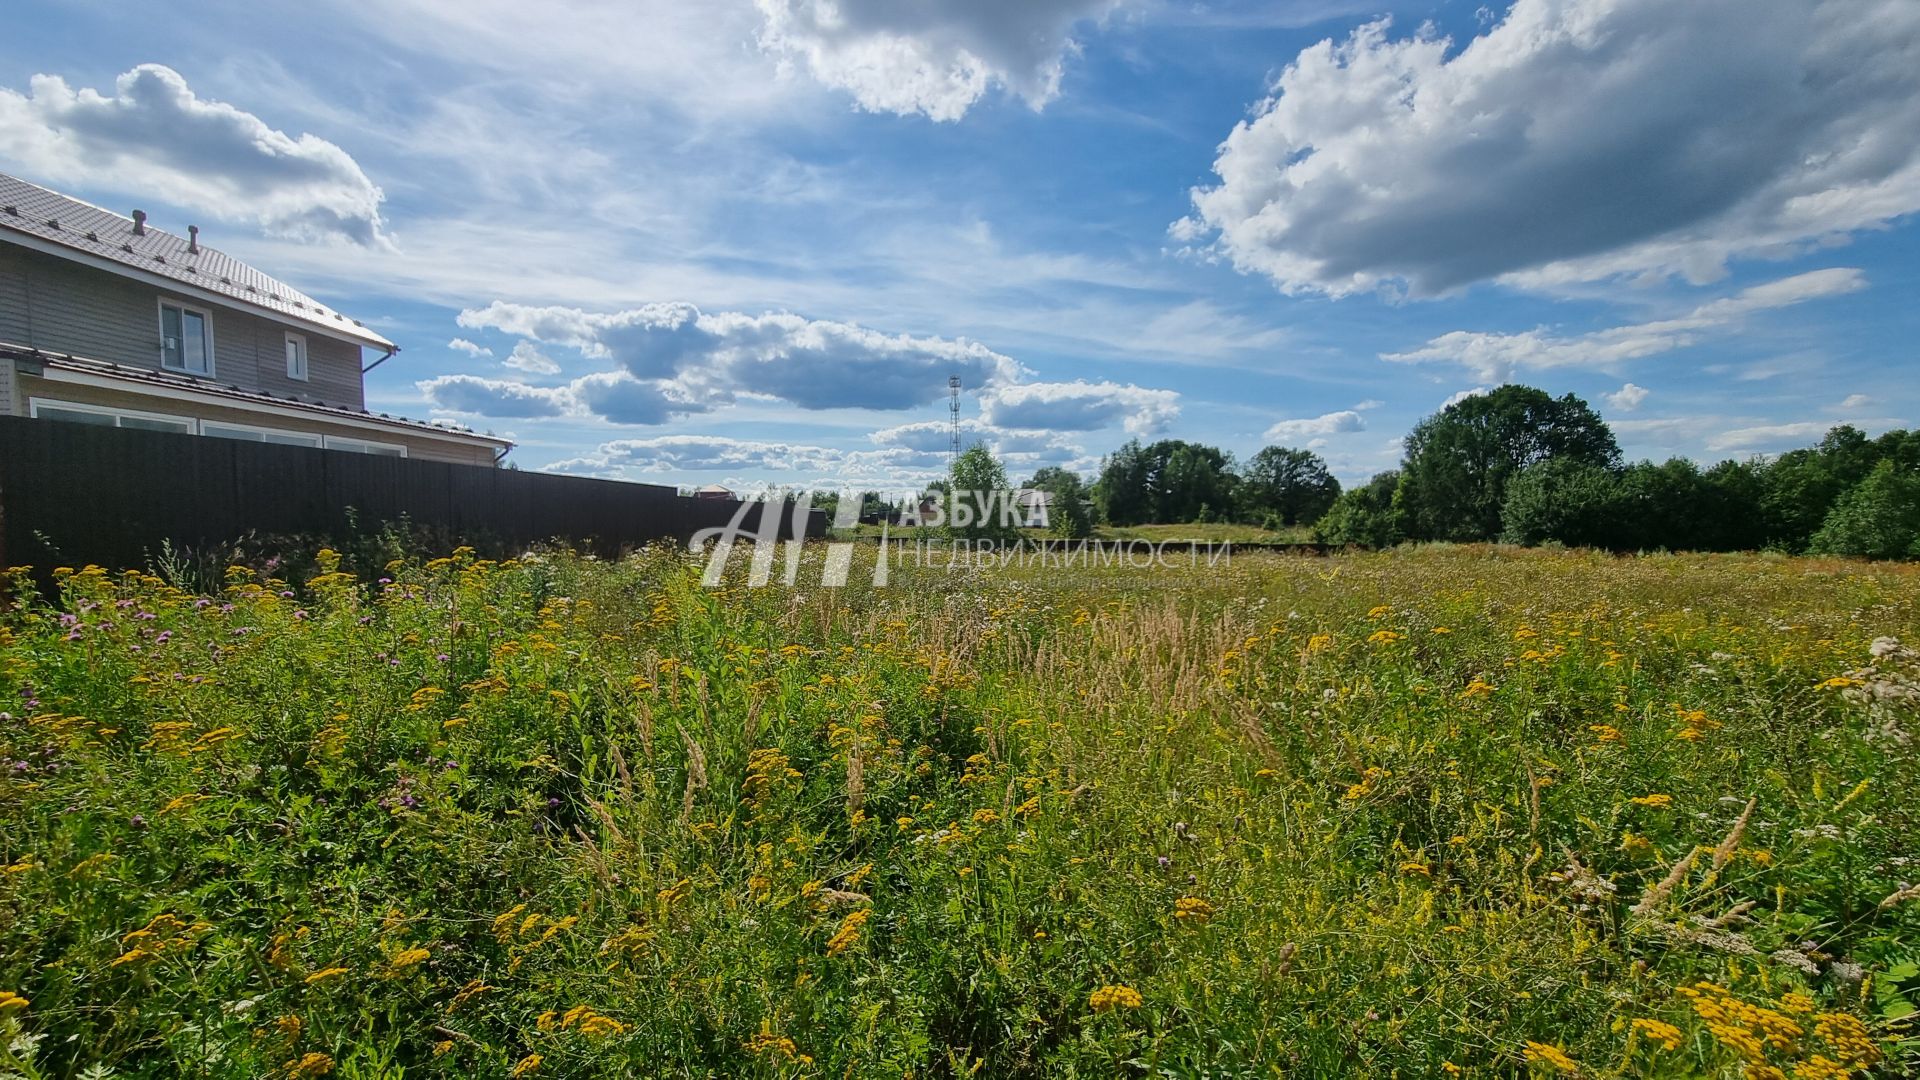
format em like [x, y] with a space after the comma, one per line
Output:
[953, 422]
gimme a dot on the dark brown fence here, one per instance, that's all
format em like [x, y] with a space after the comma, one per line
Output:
[78, 494]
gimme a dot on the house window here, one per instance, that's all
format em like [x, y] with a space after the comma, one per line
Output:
[297, 357]
[361, 446]
[100, 416]
[186, 339]
[248, 433]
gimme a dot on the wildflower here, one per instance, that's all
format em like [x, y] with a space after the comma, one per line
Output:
[1658, 802]
[1659, 1031]
[600, 1027]
[1847, 1036]
[1192, 907]
[1796, 1002]
[776, 1046]
[10, 1001]
[1606, 733]
[310, 1064]
[527, 1066]
[1477, 688]
[409, 957]
[849, 932]
[1551, 1056]
[1416, 869]
[1108, 998]
[473, 989]
[985, 817]
[1384, 637]
[325, 974]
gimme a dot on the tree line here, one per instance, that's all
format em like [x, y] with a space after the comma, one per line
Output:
[1520, 466]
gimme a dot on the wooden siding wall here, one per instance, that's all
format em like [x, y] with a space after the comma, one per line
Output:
[8, 384]
[60, 306]
[73, 494]
[418, 446]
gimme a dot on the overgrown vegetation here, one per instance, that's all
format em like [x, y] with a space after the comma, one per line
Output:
[1426, 812]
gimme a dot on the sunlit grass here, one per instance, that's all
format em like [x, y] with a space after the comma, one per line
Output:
[1412, 812]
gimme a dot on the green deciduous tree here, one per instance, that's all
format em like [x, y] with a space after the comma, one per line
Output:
[1563, 500]
[1879, 518]
[1292, 487]
[1459, 461]
[1368, 515]
[1168, 481]
[978, 497]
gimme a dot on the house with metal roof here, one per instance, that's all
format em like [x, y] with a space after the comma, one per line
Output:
[106, 319]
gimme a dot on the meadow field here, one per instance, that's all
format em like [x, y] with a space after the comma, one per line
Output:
[1426, 812]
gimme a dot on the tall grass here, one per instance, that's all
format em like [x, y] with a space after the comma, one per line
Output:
[1415, 813]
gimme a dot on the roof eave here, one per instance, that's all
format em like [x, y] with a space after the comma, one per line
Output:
[355, 333]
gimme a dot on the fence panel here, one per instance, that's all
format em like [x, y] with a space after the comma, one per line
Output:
[72, 494]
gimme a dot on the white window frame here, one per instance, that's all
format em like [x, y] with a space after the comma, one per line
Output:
[319, 440]
[298, 372]
[363, 446]
[34, 405]
[206, 315]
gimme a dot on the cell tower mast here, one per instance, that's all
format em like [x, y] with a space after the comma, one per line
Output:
[953, 422]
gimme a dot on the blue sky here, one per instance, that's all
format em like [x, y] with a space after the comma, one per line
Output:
[745, 241]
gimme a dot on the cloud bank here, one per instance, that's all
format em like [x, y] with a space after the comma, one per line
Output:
[153, 137]
[1496, 357]
[928, 56]
[1574, 140]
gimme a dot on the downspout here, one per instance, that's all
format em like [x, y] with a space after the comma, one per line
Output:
[502, 455]
[388, 355]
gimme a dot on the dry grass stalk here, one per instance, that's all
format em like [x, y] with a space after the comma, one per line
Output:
[696, 774]
[1732, 843]
[1901, 896]
[856, 779]
[620, 769]
[1659, 893]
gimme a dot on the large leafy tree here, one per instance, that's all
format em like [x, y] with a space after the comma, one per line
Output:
[1460, 460]
[1169, 481]
[1563, 500]
[1368, 515]
[1287, 485]
[978, 496]
[1879, 518]
[1123, 492]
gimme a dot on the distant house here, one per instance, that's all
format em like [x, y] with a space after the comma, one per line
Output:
[108, 320]
[1034, 507]
[712, 491]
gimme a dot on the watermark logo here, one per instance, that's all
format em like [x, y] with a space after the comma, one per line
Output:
[963, 530]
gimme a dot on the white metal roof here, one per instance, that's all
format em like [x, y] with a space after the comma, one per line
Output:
[94, 235]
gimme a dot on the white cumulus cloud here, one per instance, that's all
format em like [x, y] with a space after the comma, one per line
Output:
[713, 357]
[1495, 356]
[527, 357]
[1628, 397]
[1079, 406]
[1768, 436]
[152, 136]
[1316, 427]
[1573, 140]
[931, 57]
[470, 348]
